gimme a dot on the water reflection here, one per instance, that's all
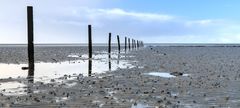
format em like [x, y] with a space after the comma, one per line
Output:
[29, 85]
[140, 105]
[164, 74]
[90, 67]
[109, 62]
[13, 88]
[118, 58]
[45, 72]
[30, 76]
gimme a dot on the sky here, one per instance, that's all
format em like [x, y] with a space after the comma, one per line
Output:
[152, 21]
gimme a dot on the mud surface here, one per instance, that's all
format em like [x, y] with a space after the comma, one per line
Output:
[201, 77]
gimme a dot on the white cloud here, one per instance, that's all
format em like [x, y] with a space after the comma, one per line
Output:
[94, 15]
[140, 16]
[204, 22]
[67, 22]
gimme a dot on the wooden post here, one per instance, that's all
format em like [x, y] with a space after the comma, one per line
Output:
[90, 41]
[125, 44]
[119, 47]
[30, 41]
[109, 52]
[90, 49]
[132, 43]
[129, 44]
[109, 43]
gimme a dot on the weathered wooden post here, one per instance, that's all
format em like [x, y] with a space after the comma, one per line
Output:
[119, 47]
[90, 50]
[129, 44]
[109, 43]
[109, 52]
[132, 43]
[90, 41]
[30, 42]
[125, 44]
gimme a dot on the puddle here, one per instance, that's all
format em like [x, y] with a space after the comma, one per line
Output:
[68, 85]
[164, 74]
[140, 105]
[61, 99]
[100, 64]
[102, 56]
[13, 88]
[54, 72]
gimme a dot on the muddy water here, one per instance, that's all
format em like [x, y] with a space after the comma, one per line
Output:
[51, 72]
[163, 74]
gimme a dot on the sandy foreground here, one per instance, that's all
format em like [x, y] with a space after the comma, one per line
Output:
[201, 77]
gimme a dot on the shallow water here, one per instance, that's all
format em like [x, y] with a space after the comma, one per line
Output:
[140, 105]
[13, 88]
[100, 64]
[46, 72]
[55, 70]
[163, 74]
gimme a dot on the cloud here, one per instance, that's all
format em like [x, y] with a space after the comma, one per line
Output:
[135, 23]
[92, 15]
[204, 22]
[67, 23]
[137, 15]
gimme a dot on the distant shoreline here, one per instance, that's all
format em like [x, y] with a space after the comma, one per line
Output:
[146, 44]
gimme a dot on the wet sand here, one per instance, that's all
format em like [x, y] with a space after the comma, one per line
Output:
[195, 77]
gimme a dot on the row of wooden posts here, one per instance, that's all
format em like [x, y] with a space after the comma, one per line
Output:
[135, 43]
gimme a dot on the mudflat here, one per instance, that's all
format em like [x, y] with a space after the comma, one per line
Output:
[153, 76]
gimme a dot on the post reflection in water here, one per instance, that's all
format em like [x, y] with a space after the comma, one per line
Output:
[30, 79]
[30, 76]
[90, 67]
[118, 59]
[109, 62]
